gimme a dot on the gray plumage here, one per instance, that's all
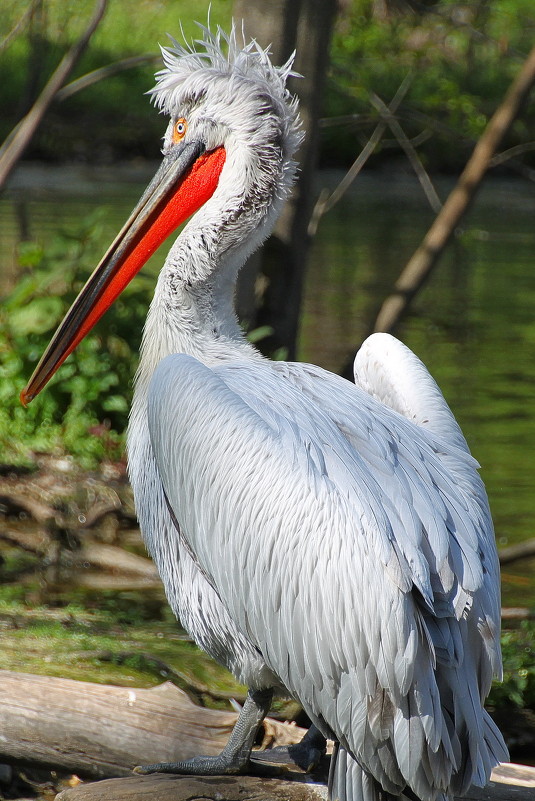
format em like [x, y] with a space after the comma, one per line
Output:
[330, 540]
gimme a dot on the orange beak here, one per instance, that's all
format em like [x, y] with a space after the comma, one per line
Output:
[185, 180]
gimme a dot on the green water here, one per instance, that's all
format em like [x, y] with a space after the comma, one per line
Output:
[473, 324]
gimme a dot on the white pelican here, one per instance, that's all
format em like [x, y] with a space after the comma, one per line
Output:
[322, 539]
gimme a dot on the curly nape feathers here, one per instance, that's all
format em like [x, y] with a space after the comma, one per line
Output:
[215, 56]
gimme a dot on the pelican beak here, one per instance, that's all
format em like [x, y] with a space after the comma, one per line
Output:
[185, 180]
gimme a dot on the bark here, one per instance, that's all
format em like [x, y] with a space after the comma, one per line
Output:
[20, 137]
[102, 731]
[191, 788]
[425, 258]
[510, 783]
[523, 550]
[304, 26]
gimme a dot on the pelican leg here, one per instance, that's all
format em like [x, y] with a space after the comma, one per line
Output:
[234, 758]
[306, 754]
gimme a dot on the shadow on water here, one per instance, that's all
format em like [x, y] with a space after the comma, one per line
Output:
[473, 324]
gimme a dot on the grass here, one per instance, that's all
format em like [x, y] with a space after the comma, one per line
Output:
[133, 640]
[105, 646]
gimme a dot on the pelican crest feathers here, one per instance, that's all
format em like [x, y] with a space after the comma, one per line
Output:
[192, 68]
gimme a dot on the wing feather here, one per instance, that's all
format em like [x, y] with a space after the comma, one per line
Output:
[343, 522]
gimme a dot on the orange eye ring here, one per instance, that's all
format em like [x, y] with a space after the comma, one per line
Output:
[179, 130]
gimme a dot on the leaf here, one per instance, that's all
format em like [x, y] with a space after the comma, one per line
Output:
[41, 315]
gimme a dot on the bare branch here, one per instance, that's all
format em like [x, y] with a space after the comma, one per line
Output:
[410, 152]
[511, 153]
[325, 201]
[103, 72]
[424, 259]
[18, 26]
[20, 137]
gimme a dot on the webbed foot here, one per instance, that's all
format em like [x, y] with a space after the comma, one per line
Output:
[306, 755]
[234, 758]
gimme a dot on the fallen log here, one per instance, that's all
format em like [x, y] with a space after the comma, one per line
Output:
[111, 557]
[161, 787]
[510, 783]
[513, 553]
[102, 731]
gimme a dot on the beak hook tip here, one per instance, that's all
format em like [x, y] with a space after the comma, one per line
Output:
[26, 397]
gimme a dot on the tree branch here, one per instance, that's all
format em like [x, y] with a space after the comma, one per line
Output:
[103, 72]
[426, 256]
[410, 152]
[19, 138]
[325, 201]
[18, 26]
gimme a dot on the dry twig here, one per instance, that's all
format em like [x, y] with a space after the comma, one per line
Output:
[19, 138]
[426, 256]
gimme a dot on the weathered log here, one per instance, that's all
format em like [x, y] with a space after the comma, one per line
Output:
[510, 783]
[100, 731]
[111, 557]
[513, 553]
[190, 788]
[104, 731]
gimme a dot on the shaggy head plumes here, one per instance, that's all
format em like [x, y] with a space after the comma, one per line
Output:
[235, 83]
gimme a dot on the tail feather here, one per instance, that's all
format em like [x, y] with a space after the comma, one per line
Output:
[349, 782]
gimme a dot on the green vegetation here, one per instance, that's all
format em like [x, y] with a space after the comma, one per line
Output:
[461, 57]
[85, 413]
[518, 652]
[108, 639]
[110, 119]
[128, 639]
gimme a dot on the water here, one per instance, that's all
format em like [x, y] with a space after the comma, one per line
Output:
[473, 324]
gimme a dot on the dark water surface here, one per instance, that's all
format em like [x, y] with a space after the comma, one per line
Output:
[473, 324]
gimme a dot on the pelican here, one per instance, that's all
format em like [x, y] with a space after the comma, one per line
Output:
[327, 540]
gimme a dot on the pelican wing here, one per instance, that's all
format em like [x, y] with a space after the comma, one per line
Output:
[389, 371]
[345, 550]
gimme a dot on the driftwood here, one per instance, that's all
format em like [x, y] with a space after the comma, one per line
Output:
[511, 783]
[100, 731]
[104, 731]
[187, 788]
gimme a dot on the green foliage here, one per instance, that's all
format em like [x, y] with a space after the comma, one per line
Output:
[87, 642]
[518, 650]
[84, 411]
[461, 59]
[118, 122]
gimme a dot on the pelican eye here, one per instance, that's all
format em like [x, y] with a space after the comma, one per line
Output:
[179, 130]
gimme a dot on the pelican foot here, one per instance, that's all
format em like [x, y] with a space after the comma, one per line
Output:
[234, 758]
[307, 754]
[198, 766]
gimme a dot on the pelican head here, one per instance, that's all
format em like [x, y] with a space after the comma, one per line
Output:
[224, 94]
[228, 147]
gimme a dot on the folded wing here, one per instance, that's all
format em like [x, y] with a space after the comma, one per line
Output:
[348, 552]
